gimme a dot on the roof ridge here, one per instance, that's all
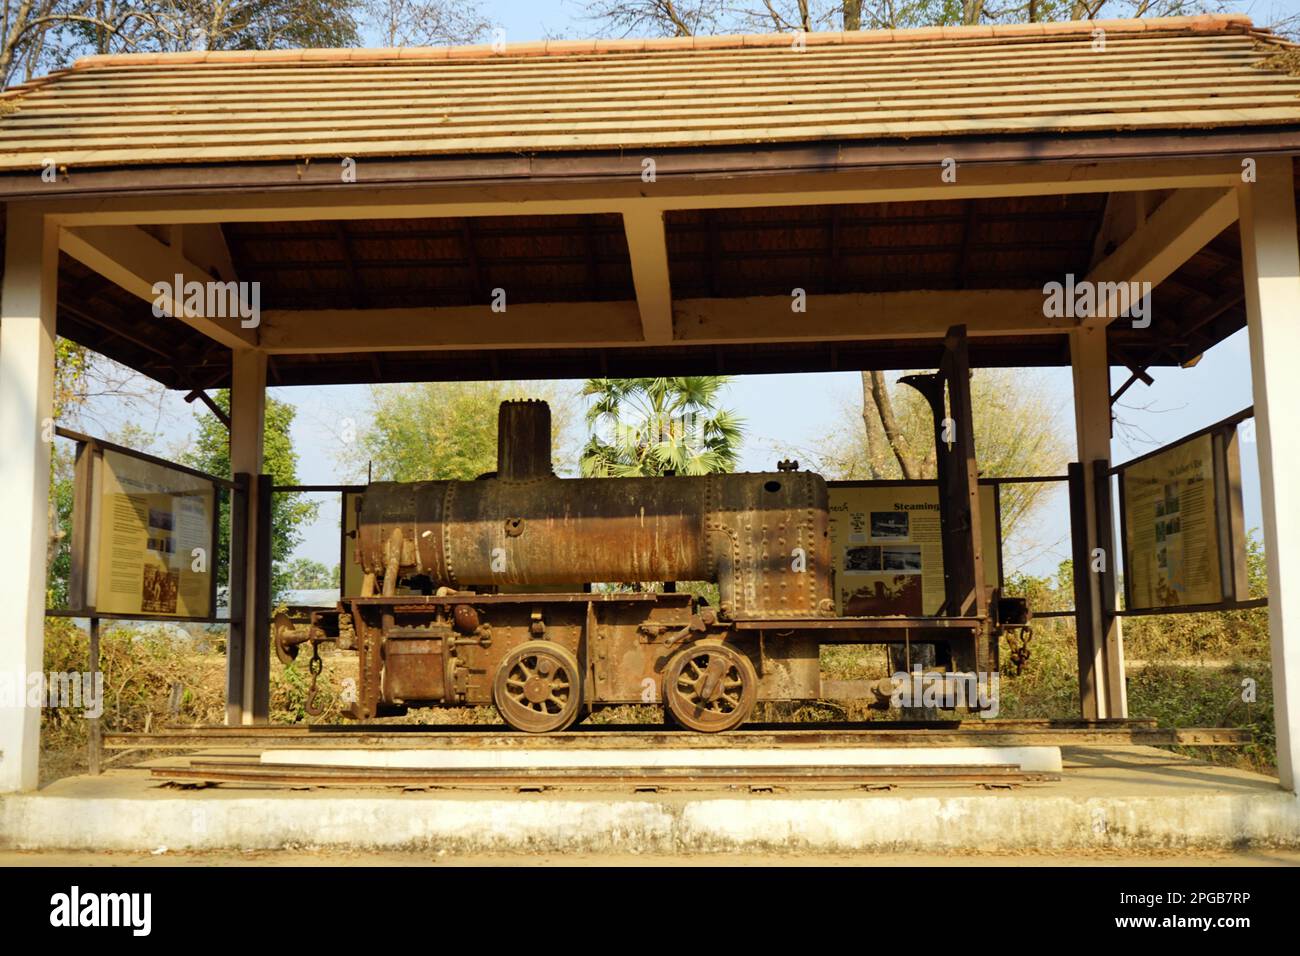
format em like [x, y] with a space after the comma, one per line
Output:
[1200, 23]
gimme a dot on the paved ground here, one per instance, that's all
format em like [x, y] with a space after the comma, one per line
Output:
[1112, 806]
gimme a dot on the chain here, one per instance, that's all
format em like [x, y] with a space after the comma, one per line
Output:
[1019, 645]
[314, 705]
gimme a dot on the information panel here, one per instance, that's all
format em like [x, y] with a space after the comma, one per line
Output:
[886, 548]
[151, 532]
[1182, 530]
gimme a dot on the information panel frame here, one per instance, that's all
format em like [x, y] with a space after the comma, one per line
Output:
[92, 472]
[991, 521]
[1209, 458]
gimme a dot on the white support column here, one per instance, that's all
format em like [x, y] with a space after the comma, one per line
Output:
[247, 421]
[1270, 260]
[1092, 430]
[27, 309]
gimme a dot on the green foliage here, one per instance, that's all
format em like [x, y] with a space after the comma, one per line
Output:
[652, 426]
[1044, 593]
[443, 431]
[1178, 695]
[289, 512]
[305, 574]
[71, 363]
[58, 567]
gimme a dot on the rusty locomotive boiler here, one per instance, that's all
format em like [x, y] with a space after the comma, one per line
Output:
[499, 591]
[762, 538]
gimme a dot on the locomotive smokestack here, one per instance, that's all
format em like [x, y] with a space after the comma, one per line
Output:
[523, 440]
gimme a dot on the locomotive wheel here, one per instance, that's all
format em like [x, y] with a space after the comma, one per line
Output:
[710, 688]
[538, 687]
[281, 627]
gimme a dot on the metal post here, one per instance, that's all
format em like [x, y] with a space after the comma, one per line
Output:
[1089, 707]
[259, 638]
[238, 599]
[96, 755]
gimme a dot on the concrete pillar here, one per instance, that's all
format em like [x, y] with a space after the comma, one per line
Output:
[247, 421]
[1271, 268]
[1105, 696]
[27, 309]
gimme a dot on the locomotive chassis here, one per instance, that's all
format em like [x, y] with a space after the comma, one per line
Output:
[451, 649]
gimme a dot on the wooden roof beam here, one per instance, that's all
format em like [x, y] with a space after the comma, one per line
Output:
[523, 325]
[1179, 228]
[628, 193]
[204, 243]
[647, 248]
[135, 261]
[864, 316]
[755, 319]
[213, 407]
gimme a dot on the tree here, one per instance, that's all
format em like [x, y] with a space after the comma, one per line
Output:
[38, 36]
[1017, 432]
[704, 17]
[305, 574]
[41, 35]
[289, 512]
[672, 18]
[653, 426]
[443, 430]
[425, 22]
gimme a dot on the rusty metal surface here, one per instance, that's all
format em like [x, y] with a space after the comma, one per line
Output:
[710, 687]
[795, 777]
[762, 538]
[538, 687]
[414, 603]
[415, 667]
[740, 531]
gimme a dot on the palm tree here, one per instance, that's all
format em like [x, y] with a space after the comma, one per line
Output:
[657, 426]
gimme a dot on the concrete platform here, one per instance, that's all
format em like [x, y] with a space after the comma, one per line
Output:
[1039, 759]
[1133, 799]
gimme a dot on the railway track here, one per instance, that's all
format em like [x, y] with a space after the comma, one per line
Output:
[246, 756]
[991, 733]
[212, 772]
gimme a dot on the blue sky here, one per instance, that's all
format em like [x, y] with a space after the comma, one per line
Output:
[525, 20]
[536, 19]
[786, 412]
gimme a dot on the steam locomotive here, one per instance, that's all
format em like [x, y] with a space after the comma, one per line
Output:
[490, 591]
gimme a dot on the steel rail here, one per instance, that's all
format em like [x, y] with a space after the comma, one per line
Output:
[314, 775]
[757, 736]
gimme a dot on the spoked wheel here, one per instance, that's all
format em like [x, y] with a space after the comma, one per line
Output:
[538, 687]
[710, 688]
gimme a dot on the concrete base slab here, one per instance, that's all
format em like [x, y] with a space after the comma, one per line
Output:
[1030, 759]
[1124, 798]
